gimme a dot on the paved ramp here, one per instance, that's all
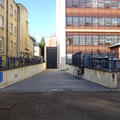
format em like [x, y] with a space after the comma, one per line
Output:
[53, 80]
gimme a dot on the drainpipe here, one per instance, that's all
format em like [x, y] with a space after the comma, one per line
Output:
[7, 33]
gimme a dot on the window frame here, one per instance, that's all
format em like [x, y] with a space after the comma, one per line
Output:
[2, 21]
[2, 45]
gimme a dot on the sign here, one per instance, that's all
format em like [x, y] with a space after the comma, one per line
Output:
[1, 76]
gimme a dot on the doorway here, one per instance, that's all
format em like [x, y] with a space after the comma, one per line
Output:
[51, 57]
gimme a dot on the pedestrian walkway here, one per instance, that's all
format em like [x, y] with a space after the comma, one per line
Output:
[53, 80]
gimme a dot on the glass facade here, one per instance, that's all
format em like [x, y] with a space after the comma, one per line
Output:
[92, 21]
[113, 4]
[88, 25]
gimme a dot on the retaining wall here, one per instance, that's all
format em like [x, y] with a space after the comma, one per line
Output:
[104, 78]
[12, 76]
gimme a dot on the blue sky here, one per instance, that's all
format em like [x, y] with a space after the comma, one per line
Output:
[42, 17]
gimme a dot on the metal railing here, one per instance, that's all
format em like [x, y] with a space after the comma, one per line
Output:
[96, 61]
[7, 62]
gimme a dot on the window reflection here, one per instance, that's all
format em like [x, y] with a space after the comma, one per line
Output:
[92, 21]
[92, 39]
[93, 3]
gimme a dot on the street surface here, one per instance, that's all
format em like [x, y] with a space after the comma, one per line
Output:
[53, 80]
[57, 95]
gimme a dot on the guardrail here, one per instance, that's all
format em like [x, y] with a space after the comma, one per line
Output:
[7, 62]
[96, 61]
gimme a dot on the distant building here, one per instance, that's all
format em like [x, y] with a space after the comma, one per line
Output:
[51, 41]
[37, 50]
[31, 45]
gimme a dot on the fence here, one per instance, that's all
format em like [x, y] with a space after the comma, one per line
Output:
[12, 62]
[97, 61]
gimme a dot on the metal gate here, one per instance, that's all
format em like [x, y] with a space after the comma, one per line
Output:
[51, 57]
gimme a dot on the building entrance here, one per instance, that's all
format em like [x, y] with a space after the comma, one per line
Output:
[51, 57]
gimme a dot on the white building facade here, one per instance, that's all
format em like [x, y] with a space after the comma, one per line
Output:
[60, 33]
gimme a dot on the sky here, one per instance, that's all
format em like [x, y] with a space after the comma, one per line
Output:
[41, 17]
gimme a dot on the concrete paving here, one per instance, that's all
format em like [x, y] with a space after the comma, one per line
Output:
[53, 80]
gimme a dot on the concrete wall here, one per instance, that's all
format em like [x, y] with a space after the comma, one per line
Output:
[16, 75]
[104, 78]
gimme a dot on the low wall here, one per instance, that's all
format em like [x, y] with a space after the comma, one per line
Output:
[104, 78]
[12, 76]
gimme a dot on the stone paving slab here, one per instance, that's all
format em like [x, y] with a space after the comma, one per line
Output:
[54, 80]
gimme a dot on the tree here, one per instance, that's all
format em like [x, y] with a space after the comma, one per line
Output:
[42, 45]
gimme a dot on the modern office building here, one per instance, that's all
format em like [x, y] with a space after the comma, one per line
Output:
[87, 26]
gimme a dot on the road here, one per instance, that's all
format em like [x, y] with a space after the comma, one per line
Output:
[53, 80]
[57, 95]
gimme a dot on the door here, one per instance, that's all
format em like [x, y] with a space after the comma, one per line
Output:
[51, 57]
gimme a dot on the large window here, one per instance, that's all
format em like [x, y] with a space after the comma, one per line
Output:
[95, 39]
[82, 40]
[92, 21]
[114, 4]
[93, 3]
[69, 3]
[75, 3]
[108, 39]
[1, 22]
[82, 21]
[69, 40]
[69, 21]
[11, 46]
[107, 21]
[88, 40]
[95, 21]
[101, 40]
[2, 3]
[11, 10]
[107, 3]
[1, 44]
[75, 40]
[75, 21]
[114, 39]
[69, 59]
[92, 39]
[88, 21]
[118, 23]
[101, 21]
[114, 21]
[11, 28]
